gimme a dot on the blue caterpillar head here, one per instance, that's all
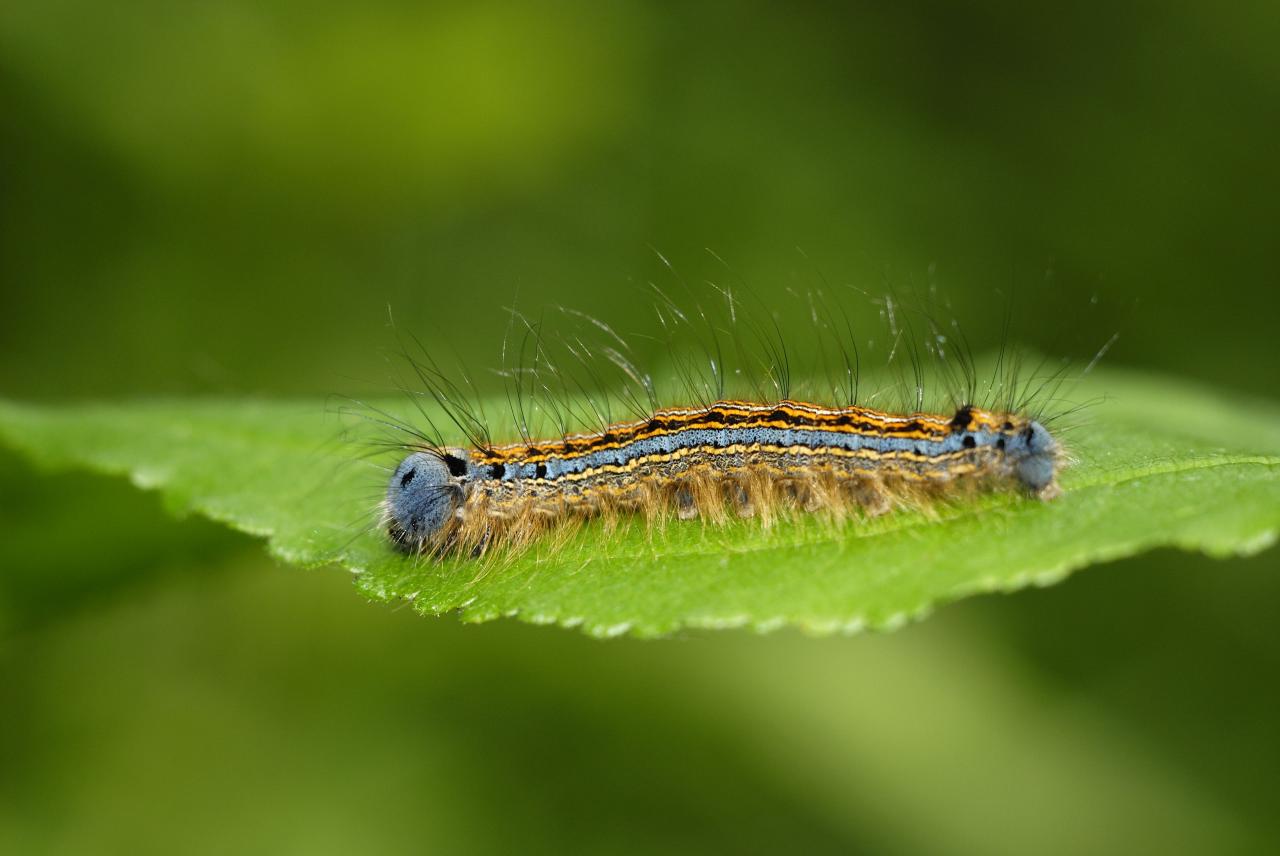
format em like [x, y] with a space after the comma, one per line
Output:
[422, 496]
[1034, 453]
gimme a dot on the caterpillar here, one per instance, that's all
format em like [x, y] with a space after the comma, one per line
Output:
[732, 457]
[766, 457]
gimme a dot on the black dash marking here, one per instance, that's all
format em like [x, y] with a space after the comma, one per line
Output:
[963, 417]
[968, 442]
[497, 471]
[1000, 444]
[540, 471]
[457, 466]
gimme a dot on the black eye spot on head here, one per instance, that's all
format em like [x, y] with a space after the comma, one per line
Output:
[1037, 464]
[408, 477]
[457, 466]
[1039, 441]
[968, 441]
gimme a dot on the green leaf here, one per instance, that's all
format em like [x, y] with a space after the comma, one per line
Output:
[1158, 463]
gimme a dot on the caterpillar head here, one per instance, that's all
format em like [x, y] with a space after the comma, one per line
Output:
[424, 495]
[1035, 455]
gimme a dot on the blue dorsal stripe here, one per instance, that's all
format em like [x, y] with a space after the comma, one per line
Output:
[773, 437]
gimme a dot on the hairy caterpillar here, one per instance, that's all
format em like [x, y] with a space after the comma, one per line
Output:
[766, 457]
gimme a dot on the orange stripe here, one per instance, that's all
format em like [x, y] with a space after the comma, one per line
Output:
[743, 414]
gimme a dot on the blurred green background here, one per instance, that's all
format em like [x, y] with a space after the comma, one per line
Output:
[224, 198]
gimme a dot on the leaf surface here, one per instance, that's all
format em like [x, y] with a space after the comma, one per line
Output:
[1158, 463]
